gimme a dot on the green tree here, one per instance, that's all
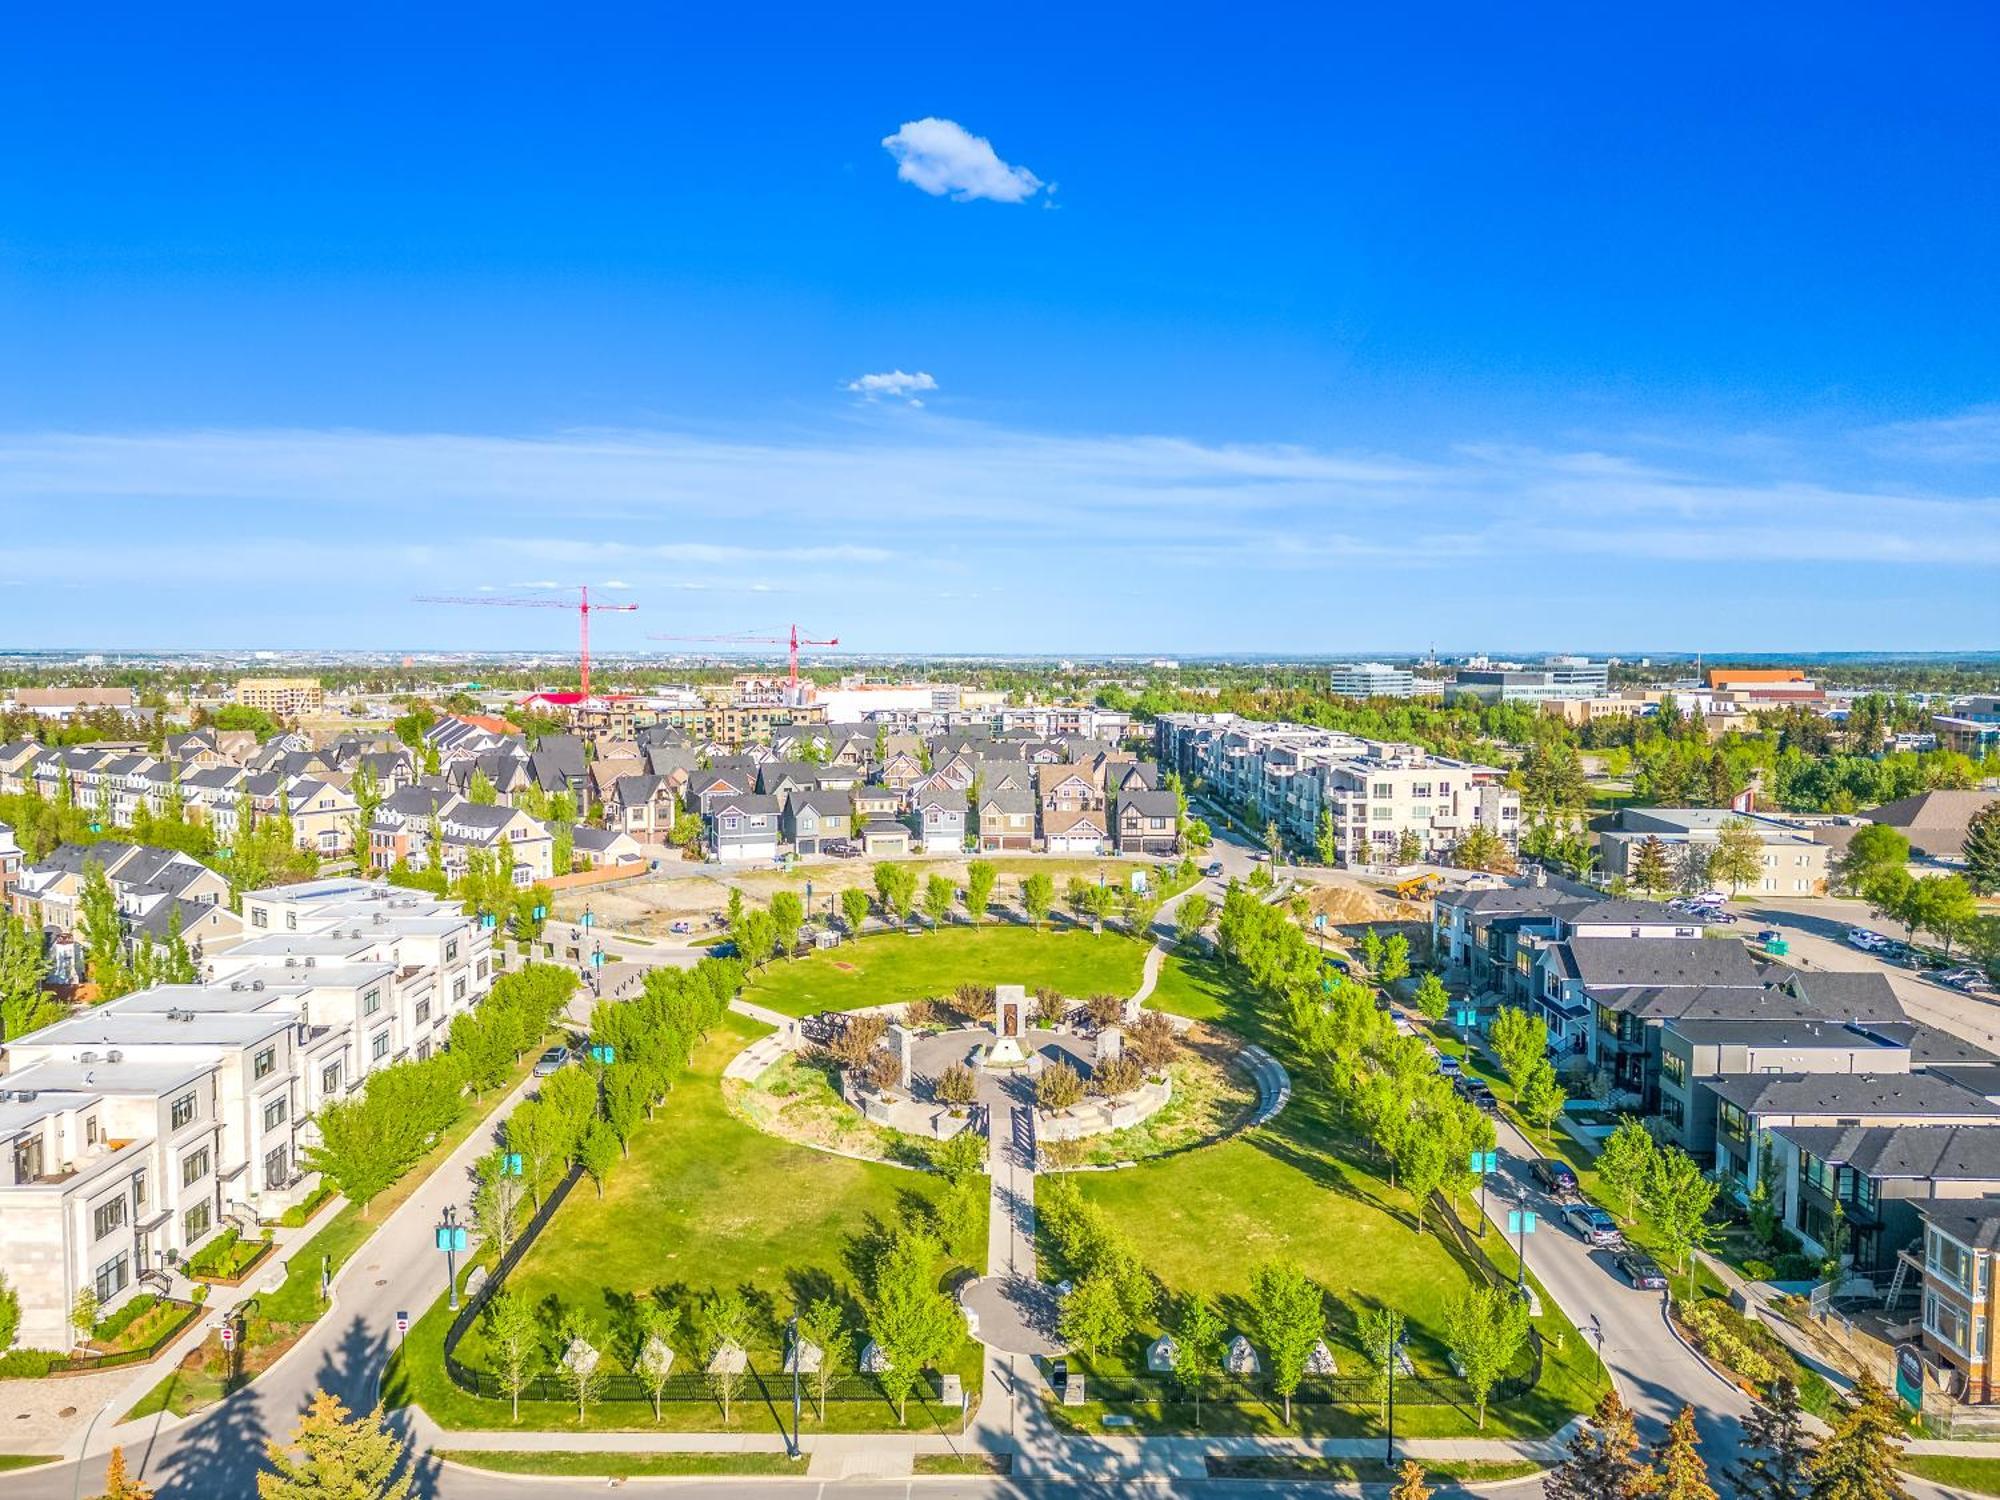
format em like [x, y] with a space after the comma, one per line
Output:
[1326, 838]
[725, 1340]
[854, 909]
[1409, 847]
[1860, 1460]
[1484, 1329]
[1542, 1097]
[1433, 1000]
[515, 1339]
[480, 791]
[1274, 845]
[940, 896]
[1197, 1348]
[653, 1354]
[1480, 848]
[354, 1152]
[1038, 897]
[330, 1453]
[1782, 1448]
[1738, 857]
[1678, 1200]
[1982, 849]
[102, 933]
[823, 1324]
[562, 848]
[1290, 1313]
[83, 1315]
[1190, 916]
[1395, 965]
[1380, 1330]
[1520, 1040]
[10, 1314]
[1652, 872]
[1875, 849]
[1093, 1316]
[579, 1364]
[498, 1199]
[24, 1005]
[1625, 1166]
[896, 889]
[1602, 1462]
[1371, 949]
[915, 1324]
[597, 1152]
[1946, 907]
[788, 918]
[980, 878]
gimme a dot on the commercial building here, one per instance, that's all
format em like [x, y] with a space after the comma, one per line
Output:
[1793, 861]
[1371, 679]
[1557, 679]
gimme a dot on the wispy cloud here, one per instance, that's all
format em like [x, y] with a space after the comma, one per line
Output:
[1969, 437]
[946, 160]
[893, 384]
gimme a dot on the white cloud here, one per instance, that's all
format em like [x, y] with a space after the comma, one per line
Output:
[1971, 437]
[614, 583]
[893, 384]
[945, 159]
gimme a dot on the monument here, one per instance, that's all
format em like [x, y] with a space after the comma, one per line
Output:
[1010, 1024]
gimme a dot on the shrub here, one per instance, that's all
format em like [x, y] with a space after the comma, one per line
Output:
[1152, 1042]
[1050, 1006]
[956, 1085]
[110, 1327]
[1058, 1088]
[973, 1001]
[923, 1011]
[1760, 1270]
[1104, 1010]
[858, 1039]
[1114, 1076]
[27, 1364]
[1796, 1267]
[1059, 1154]
[295, 1217]
[882, 1070]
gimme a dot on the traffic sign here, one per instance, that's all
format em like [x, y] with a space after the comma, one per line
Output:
[540, 912]
[1520, 1221]
[402, 1321]
[228, 1335]
[604, 1053]
[510, 1164]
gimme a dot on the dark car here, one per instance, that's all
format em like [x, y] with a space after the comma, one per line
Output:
[1592, 1224]
[840, 848]
[1214, 870]
[1475, 1092]
[1642, 1271]
[1555, 1176]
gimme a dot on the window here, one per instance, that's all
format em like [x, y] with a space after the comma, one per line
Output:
[1673, 1068]
[378, 1046]
[264, 1064]
[106, 1217]
[141, 1190]
[451, 951]
[1385, 789]
[1672, 1111]
[274, 1113]
[482, 969]
[195, 1222]
[423, 1012]
[329, 1079]
[91, 1134]
[277, 1165]
[258, 917]
[183, 1111]
[371, 1002]
[194, 1166]
[1949, 1260]
[112, 1277]
[458, 988]
[1946, 1320]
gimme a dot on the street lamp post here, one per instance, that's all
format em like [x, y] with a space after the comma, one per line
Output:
[1483, 1165]
[451, 1240]
[1395, 1357]
[792, 1449]
[1521, 1223]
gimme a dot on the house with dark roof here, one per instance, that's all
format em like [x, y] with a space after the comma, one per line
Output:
[939, 817]
[813, 817]
[1147, 821]
[1933, 822]
[1960, 1298]
[743, 827]
[1006, 818]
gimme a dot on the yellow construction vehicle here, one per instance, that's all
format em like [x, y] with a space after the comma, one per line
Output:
[1417, 887]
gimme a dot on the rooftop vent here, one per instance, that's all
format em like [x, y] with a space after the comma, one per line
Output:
[86, 1057]
[114, 1057]
[257, 984]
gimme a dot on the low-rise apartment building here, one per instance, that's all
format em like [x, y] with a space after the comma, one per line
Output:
[1792, 863]
[281, 697]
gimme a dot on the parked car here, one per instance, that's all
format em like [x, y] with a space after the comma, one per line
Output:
[1961, 979]
[1214, 870]
[1866, 941]
[1450, 1066]
[1592, 1224]
[1477, 1094]
[1555, 1176]
[840, 848]
[1642, 1271]
[551, 1061]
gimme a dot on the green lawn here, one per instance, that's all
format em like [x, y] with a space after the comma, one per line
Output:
[620, 1465]
[1302, 1189]
[705, 1201]
[1366, 1470]
[1975, 1476]
[895, 966]
[24, 1460]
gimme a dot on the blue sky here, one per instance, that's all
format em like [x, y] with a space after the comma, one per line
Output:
[1295, 329]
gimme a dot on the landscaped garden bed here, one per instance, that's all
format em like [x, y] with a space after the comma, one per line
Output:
[228, 1259]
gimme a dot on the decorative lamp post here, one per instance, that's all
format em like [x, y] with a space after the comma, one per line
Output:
[1482, 1165]
[451, 1240]
[792, 1450]
[1521, 1224]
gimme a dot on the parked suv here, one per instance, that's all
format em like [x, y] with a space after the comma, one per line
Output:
[1555, 1177]
[1592, 1224]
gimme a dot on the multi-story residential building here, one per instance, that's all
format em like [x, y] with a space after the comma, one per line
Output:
[742, 827]
[1370, 679]
[156, 890]
[132, 1131]
[1961, 1295]
[281, 697]
[811, 818]
[1375, 791]
[1147, 822]
[1793, 861]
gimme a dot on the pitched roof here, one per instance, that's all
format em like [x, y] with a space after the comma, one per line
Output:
[1149, 804]
[1056, 823]
[1619, 962]
[1934, 821]
[1951, 1153]
[1857, 1094]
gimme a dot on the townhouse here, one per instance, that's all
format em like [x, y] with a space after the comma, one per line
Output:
[157, 891]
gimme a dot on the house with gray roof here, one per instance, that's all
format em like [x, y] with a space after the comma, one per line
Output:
[813, 817]
[1881, 1178]
[1147, 821]
[743, 827]
[938, 817]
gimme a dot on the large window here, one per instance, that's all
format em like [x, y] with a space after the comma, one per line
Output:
[112, 1277]
[371, 1002]
[107, 1217]
[378, 1046]
[1673, 1068]
[1948, 1260]
[277, 1167]
[274, 1113]
[183, 1111]
[329, 1079]
[194, 1166]
[195, 1222]
[1948, 1321]
[422, 1012]
[264, 1063]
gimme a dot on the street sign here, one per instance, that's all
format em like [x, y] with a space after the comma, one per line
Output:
[451, 1237]
[1483, 1162]
[510, 1164]
[604, 1053]
[588, 918]
[228, 1335]
[597, 959]
[402, 1322]
[1520, 1221]
[540, 912]
[1466, 1016]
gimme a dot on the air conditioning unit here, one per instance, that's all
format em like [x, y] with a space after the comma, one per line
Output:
[86, 1057]
[311, 962]
[257, 984]
[114, 1057]
[236, 984]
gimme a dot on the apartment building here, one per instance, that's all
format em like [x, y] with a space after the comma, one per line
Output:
[281, 697]
[1959, 1311]
[1376, 791]
[1793, 862]
[132, 1131]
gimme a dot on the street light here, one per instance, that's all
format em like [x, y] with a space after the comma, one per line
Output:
[792, 1449]
[1521, 1223]
[1483, 1164]
[451, 1240]
[1395, 1357]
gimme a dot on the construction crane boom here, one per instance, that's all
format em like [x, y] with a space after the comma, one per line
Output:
[583, 607]
[792, 641]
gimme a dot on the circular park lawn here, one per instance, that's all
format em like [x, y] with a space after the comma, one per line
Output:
[895, 966]
[705, 1202]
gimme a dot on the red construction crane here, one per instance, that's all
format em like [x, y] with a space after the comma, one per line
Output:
[794, 641]
[583, 607]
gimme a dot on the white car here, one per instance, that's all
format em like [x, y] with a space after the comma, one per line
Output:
[1866, 941]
